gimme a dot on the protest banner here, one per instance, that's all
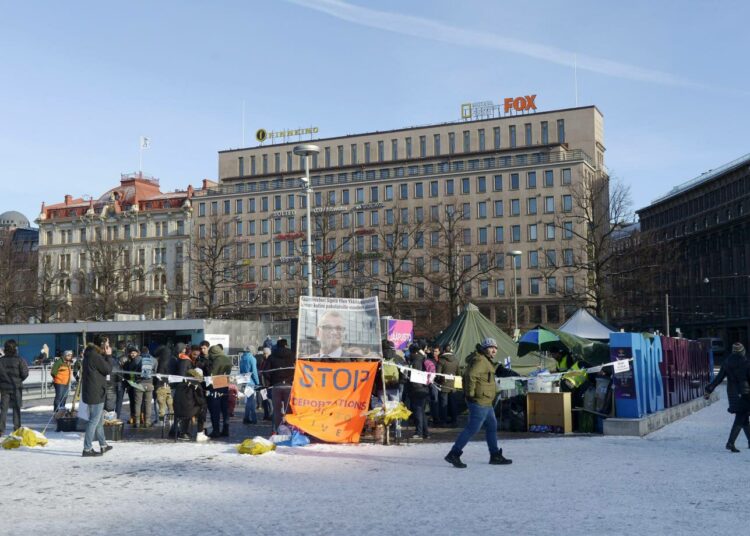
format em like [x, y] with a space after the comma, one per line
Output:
[400, 333]
[329, 398]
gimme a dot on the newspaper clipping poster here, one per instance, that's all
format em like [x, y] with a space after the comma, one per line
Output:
[338, 328]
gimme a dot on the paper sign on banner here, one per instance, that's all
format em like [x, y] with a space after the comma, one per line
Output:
[458, 383]
[263, 394]
[507, 384]
[174, 379]
[209, 380]
[622, 366]
[418, 376]
[219, 382]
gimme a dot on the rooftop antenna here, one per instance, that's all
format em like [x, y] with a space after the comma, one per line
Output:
[243, 122]
[575, 75]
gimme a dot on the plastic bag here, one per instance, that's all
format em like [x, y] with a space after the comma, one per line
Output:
[83, 411]
[296, 439]
[24, 437]
[256, 446]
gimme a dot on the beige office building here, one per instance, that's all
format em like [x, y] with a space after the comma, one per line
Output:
[510, 177]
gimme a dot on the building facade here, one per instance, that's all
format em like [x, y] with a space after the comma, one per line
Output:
[509, 179]
[704, 224]
[125, 252]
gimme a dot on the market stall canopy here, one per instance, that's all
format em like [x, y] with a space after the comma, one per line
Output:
[584, 324]
[472, 327]
[593, 352]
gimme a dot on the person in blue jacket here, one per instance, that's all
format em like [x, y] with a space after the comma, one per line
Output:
[249, 365]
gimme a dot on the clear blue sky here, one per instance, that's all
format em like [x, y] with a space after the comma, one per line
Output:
[82, 80]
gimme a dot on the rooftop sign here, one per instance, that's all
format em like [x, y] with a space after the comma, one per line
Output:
[489, 110]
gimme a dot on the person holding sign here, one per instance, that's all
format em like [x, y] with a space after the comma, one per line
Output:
[480, 390]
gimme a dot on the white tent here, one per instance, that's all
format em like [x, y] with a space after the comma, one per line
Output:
[586, 325]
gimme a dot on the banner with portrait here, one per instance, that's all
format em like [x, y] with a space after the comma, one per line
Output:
[338, 328]
[329, 398]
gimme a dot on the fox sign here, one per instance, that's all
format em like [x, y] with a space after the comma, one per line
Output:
[519, 104]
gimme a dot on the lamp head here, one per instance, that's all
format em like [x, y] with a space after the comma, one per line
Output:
[306, 149]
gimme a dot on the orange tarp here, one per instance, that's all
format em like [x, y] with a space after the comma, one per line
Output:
[329, 400]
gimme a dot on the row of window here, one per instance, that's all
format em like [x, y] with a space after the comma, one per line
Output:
[365, 152]
[417, 190]
[112, 232]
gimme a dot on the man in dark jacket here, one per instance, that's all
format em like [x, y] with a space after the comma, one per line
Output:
[419, 392]
[189, 402]
[736, 369]
[96, 368]
[218, 395]
[280, 380]
[448, 365]
[13, 371]
[480, 390]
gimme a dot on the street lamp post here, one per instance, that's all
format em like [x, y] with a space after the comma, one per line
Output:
[513, 254]
[306, 150]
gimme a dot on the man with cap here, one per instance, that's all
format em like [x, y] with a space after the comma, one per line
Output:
[736, 369]
[479, 390]
[62, 373]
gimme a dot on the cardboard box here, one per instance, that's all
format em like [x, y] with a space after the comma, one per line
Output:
[552, 409]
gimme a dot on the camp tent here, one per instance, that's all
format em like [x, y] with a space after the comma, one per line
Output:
[594, 352]
[472, 327]
[584, 324]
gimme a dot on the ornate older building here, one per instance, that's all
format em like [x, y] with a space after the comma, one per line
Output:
[124, 252]
[705, 224]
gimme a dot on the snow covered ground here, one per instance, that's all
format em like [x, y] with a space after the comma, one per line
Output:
[678, 480]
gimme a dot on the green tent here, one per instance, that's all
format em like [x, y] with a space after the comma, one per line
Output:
[472, 327]
[596, 353]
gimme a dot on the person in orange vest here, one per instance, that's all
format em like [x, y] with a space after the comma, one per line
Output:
[62, 373]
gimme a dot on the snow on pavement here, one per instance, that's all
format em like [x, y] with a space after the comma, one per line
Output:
[678, 480]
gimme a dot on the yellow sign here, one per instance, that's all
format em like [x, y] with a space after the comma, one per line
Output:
[466, 111]
[261, 135]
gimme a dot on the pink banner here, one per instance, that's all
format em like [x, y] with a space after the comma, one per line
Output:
[400, 333]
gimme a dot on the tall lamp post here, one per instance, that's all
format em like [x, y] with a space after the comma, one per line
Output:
[306, 150]
[513, 254]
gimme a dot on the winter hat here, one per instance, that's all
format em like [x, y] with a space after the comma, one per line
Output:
[249, 348]
[180, 347]
[266, 351]
[196, 373]
[737, 348]
[488, 342]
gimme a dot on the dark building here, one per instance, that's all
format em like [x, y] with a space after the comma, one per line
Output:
[704, 225]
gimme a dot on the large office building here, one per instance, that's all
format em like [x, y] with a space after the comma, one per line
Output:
[510, 178]
[703, 226]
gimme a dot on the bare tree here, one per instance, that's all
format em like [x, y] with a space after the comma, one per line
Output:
[455, 262]
[17, 281]
[49, 302]
[398, 243]
[215, 274]
[591, 215]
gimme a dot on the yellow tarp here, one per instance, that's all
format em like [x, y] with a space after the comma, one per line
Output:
[25, 437]
[255, 446]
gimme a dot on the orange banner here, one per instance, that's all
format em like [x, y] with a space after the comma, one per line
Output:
[328, 399]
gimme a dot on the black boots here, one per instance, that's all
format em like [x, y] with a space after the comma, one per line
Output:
[454, 458]
[499, 459]
[225, 430]
[732, 438]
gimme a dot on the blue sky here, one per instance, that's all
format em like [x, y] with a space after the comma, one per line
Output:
[82, 80]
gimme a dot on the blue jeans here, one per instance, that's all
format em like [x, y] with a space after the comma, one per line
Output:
[95, 426]
[479, 415]
[250, 413]
[61, 395]
[418, 401]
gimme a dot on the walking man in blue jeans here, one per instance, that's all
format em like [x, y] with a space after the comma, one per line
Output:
[96, 368]
[479, 389]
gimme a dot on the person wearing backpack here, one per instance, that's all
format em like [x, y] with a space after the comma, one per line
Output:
[479, 390]
[144, 365]
[447, 366]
